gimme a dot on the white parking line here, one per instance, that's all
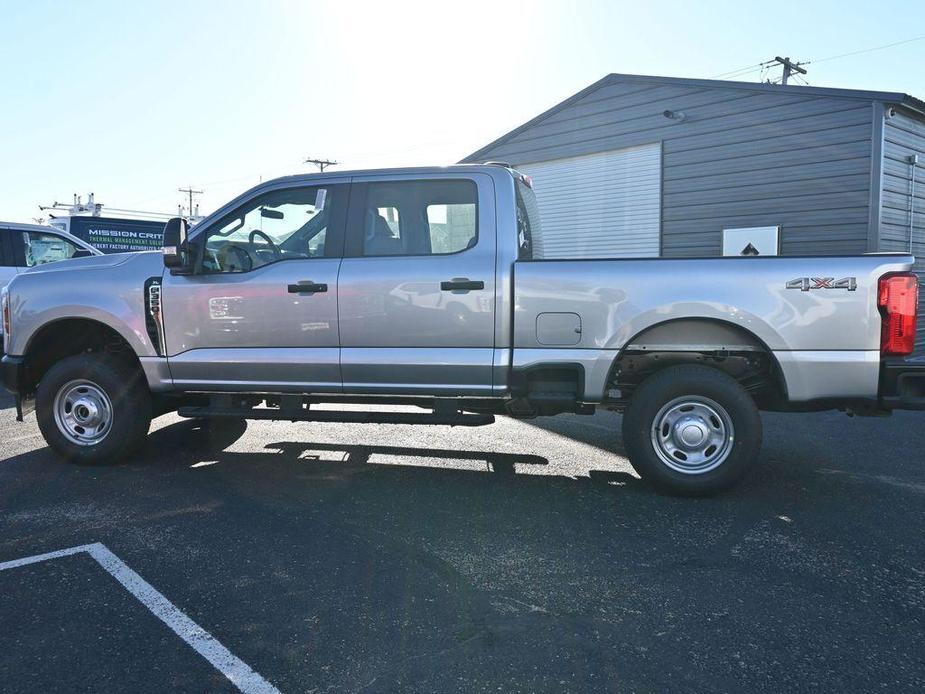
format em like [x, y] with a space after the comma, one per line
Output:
[206, 645]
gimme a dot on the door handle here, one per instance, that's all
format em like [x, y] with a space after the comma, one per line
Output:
[307, 287]
[463, 283]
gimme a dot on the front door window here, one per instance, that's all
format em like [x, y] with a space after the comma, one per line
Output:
[279, 226]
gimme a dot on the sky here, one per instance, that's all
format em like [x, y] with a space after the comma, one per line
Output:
[132, 101]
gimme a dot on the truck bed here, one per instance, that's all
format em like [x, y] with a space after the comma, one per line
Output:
[819, 311]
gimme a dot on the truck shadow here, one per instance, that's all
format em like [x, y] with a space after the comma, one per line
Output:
[195, 444]
[499, 463]
[802, 454]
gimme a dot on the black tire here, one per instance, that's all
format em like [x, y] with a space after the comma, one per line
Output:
[128, 394]
[661, 397]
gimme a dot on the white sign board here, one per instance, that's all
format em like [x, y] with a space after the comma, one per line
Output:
[751, 241]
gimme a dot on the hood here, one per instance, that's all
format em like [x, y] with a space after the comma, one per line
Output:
[96, 262]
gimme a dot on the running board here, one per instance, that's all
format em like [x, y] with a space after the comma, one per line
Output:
[457, 419]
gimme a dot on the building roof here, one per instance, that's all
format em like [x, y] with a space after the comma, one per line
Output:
[916, 106]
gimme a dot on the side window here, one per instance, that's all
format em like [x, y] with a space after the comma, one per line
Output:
[420, 218]
[41, 248]
[7, 255]
[528, 218]
[289, 224]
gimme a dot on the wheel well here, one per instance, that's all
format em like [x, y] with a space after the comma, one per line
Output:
[69, 337]
[723, 346]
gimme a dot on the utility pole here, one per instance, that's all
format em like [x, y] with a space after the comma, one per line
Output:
[189, 190]
[322, 164]
[790, 68]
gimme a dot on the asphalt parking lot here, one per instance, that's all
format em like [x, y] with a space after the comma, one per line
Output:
[524, 556]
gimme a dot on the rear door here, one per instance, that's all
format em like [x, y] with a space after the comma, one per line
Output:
[417, 285]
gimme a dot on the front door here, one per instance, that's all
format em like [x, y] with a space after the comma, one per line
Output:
[417, 286]
[260, 312]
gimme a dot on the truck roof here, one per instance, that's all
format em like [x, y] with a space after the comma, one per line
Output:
[392, 171]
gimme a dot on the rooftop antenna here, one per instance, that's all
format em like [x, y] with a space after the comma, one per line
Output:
[78, 206]
[322, 164]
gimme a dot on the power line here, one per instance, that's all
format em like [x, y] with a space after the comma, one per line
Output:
[747, 70]
[762, 67]
[740, 75]
[732, 72]
[864, 50]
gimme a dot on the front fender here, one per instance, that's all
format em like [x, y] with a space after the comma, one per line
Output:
[112, 295]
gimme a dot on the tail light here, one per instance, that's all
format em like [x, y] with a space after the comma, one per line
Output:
[898, 301]
[5, 308]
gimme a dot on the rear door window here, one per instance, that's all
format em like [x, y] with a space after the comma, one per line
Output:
[427, 217]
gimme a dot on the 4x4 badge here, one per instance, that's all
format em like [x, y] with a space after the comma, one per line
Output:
[804, 284]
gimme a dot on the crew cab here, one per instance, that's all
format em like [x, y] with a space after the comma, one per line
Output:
[419, 287]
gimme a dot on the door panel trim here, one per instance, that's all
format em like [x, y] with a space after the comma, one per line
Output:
[417, 370]
[257, 369]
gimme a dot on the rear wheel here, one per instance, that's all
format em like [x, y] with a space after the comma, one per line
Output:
[93, 409]
[691, 430]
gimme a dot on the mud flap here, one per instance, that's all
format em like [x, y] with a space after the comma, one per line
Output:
[25, 405]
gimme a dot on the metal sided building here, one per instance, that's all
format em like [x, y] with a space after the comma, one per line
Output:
[636, 166]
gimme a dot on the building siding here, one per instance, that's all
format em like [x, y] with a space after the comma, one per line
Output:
[902, 137]
[740, 158]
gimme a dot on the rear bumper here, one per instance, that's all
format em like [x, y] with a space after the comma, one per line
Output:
[902, 384]
[14, 378]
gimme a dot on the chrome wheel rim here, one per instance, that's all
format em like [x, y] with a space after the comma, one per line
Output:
[693, 435]
[83, 412]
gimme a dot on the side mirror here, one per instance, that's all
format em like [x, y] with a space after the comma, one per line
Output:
[82, 253]
[175, 249]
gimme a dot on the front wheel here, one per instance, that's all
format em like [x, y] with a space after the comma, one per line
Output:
[93, 409]
[691, 430]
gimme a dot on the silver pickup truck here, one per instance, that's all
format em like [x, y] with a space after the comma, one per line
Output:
[418, 287]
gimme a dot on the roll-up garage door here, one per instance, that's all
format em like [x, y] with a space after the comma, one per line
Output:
[603, 205]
